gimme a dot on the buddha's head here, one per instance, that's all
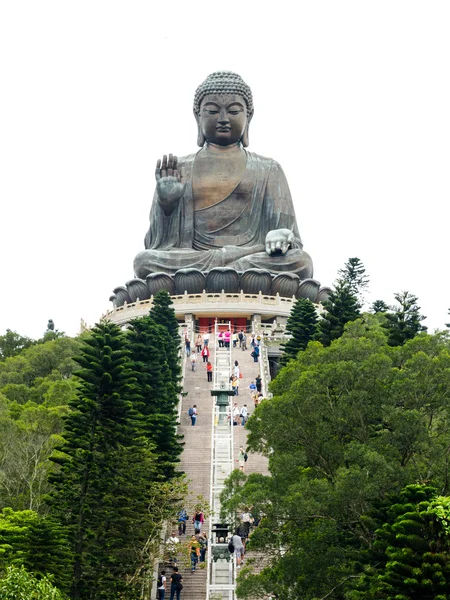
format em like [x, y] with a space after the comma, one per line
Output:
[223, 109]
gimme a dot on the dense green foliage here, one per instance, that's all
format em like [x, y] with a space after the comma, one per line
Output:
[302, 325]
[341, 307]
[404, 321]
[12, 343]
[163, 314]
[40, 544]
[35, 389]
[147, 343]
[102, 490]
[350, 425]
[18, 584]
[410, 558]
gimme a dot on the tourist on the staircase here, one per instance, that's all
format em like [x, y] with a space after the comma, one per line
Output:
[220, 339]
[182, 518]
[244, 415]
[206, 338]
[161, 585]
[227, 338]
[209, 371]
[205, 353]
[244, 342]
[235, 339]
[193, 360]
[198, 519]
[237, 371]
[172, 545]
[255, 353]
[241, 338]
[238, 549]
[236, 414]
[241, 458]
[258, 383]
[187, 343]
[192, 412]
[175, 584]
[235, 385]
[199, 343]
[203, 539]
[194, 551]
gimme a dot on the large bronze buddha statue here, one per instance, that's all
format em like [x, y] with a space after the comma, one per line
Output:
[223, 206]
[222, 218]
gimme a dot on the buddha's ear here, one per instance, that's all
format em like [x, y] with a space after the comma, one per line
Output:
[245, 136]
[200, 137]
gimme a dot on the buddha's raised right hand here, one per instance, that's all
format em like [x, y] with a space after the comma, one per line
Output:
[169, 183]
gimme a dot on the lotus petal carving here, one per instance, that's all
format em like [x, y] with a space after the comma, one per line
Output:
[137, 288]
[222, 278]
[308, 288]
[160, 281]
[285, 284]
[254, 281]
[324, 294]
[191, 281]
[122, 295]
[113, 299]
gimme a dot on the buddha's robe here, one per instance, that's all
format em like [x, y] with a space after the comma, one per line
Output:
[229, 233]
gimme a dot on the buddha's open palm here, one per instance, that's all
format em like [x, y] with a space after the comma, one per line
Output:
[169, 182]
[279, 241]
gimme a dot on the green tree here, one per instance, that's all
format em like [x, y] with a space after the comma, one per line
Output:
[18, 584]
[341, 307]
[348, 426]
[405, 322]
[302, 325]
[12, 343]
[103, 488]
[40, 544]
[410, 558]
[162, 313]
[147, 343]
[354, 274]
[379, 306]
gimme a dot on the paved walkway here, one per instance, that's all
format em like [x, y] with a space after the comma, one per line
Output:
[196, 456]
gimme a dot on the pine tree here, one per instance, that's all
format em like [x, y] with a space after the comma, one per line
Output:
[341, 307]
[448, 324]
[101, 491]
[404, 323]
[302, 325]
[379, 306]
[147, 343]
[354, 274]
[162, 313]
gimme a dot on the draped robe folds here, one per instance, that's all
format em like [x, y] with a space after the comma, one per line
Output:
[232, 232]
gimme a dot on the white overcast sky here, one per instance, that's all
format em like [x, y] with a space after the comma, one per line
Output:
[352, 98]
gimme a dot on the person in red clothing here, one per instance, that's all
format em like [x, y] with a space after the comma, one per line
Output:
[205, 353]
[209, 371]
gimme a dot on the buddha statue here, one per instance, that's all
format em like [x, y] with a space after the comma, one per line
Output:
[222, 206]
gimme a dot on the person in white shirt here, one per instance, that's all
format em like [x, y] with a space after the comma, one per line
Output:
[162, 588]
[236, 414]
[206, 339]
[244, 415]
[172, 548]
[238, 549]
[193, 360]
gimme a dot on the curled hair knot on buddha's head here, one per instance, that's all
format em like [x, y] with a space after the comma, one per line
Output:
[223, 82]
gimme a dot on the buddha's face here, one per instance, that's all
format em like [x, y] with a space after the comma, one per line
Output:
[223, 118]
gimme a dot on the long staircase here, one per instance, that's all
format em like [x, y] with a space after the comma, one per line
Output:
[210, 452]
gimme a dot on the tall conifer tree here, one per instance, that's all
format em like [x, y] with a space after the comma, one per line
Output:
[341, 307]
[405, 321]
[147, 343]
[102, 489]
[162, 313]
[302, 325]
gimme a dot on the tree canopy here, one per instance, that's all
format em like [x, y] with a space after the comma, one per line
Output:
[349, 425]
